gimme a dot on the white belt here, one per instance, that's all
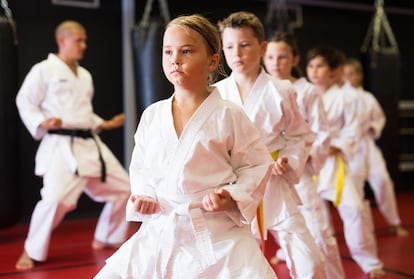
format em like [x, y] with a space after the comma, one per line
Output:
[201, 234]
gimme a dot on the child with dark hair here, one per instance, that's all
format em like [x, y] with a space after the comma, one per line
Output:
[377, 175]
[281, 61]
[336, 182]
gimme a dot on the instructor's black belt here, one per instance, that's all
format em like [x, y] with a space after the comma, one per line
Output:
[85, 134]
[73, 133]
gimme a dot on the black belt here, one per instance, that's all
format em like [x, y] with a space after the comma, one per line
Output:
[73, 133]
[85, 134]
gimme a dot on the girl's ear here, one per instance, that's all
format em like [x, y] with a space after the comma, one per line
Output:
[296, 60]
[214, 62]
[263, 47]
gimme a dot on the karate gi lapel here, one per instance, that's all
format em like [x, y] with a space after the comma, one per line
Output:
[231, 92]
[252, 102]
[188, 136]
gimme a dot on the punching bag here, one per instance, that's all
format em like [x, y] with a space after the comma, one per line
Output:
[9, 194]
[380, 58]
[150, 82]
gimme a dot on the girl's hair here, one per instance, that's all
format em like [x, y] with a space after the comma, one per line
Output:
[210, 34]
[290, 40]
[354, 63]
[333, 57]
[243, 19]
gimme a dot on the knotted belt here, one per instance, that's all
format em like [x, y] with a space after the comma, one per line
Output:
[193, 209]
[85, 134]
[260, 214]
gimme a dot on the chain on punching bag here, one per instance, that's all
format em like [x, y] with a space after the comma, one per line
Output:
[381, 61]
[282, 17]
[150, 82]
[9, 209]
[277, 18]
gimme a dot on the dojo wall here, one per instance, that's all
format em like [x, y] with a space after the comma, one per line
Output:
[36, 20]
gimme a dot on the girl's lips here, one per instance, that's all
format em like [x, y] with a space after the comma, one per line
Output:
[174, 72]
[237, 63]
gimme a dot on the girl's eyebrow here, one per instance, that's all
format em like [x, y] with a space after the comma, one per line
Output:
[185, 45]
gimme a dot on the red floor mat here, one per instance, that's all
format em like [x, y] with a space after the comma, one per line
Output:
[72, 257]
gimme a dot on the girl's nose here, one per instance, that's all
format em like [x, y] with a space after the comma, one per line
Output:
[175, 60]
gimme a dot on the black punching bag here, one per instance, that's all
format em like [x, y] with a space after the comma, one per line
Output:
[150, 82]
[380, 58]
[9, 194]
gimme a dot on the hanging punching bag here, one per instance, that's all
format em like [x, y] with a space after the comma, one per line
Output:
[380, 58]
[150, 82]
[9, 194]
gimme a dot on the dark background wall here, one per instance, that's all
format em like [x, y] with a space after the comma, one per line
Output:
[340, 26]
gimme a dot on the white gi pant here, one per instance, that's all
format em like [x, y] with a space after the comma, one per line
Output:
[302, 255]
[382, 185]
[60, 194]
[318, 226]
[358, 232]
[185, 241]
[358, 224]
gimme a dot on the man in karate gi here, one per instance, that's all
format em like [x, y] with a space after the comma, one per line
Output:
[55, 104]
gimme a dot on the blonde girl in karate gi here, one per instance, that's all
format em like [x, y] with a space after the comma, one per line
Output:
[335, 181]
[271, 105]
[281, 61]
[55, 104]
[196, 173]
[378, 177]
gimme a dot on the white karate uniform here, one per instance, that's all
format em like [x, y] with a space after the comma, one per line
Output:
[378, 176]
[342, 112]
[358, 163]
[52, 90]
[271, 106]
[219, 147]
[311, 107]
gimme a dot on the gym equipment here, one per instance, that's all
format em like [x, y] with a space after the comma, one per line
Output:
[150, 82]
[380, 58]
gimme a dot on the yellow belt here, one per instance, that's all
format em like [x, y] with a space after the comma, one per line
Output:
[259, 213]
[339, 180]
[275, 155]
